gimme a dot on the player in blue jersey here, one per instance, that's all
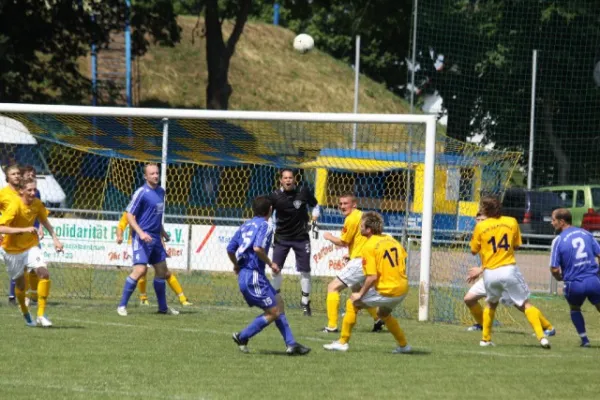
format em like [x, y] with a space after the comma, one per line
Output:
[574, 261]
[145, 217]
[247, 251]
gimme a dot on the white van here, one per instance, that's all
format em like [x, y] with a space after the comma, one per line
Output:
[18, 146]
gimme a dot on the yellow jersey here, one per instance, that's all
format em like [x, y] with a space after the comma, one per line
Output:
[351, 234]
[122, 225]
[7, 194]
[20, 215]
[495, 239]
[385, 257]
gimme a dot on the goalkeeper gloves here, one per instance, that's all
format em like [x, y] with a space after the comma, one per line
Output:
[314, 228]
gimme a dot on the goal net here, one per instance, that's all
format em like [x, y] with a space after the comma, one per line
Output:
[89, 162]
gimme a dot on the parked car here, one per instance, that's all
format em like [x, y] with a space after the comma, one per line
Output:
[591, 221]
[579, 199]
[532, 209]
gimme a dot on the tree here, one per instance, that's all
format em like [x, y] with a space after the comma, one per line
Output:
[42, 40]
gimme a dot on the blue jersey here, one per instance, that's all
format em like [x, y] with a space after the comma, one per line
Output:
[147, 205]
[254, 233]
[575, 251]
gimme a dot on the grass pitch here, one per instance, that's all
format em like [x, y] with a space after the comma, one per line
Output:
[92, 353]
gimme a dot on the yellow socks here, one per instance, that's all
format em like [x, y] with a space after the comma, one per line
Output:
[477, 313]
[546, 325]
[333, 306]
[33, 284]
[43, 292]
[488, 320]
[373, 313]
[176, 287]
[394, 327]
[20, 295]
[348, 322]
[142, 287]
[533, 316]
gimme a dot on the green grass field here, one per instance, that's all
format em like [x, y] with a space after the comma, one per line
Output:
[92, 353]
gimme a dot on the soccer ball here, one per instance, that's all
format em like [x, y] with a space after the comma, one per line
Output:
[303, 43]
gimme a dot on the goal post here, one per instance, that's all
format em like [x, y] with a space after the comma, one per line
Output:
[214, 162]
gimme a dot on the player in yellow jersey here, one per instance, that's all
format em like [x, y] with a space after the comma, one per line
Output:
[142, 282]
[21, 249]
[7, 194]
[385, 285]
[352, 275]
[477, 292]
[495, 240]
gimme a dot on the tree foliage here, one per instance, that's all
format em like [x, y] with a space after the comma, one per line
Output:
[41, 42]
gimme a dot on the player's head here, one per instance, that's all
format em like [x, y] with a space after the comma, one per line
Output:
[479, 217]
[561, 219]
[490, 207]
[152, 174]
[27, 187]
[13, 175]
[347, 203]
[287, 179]
[261, 206]
[371, 223]
[28, 171]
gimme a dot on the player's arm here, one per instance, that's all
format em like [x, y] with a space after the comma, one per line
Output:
[335, 240]
[475, 241]
[555, 261]
[232, 247]
[121, 226]
[370, 269]
[8, 215]
[43, 218]
[517, 240]
[134, 225]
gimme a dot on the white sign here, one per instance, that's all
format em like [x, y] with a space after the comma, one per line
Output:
[209, 252]
[94, 242]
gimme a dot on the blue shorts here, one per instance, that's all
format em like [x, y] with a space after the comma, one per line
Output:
[148, 253]
[577, 291]
[257, 289]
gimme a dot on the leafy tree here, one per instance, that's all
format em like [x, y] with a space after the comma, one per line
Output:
[41, 41]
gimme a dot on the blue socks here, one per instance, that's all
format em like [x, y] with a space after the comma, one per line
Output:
[255, 327]
[579, 323]
[128, 289]
[11, 294]
[286, 331]
[161, 294]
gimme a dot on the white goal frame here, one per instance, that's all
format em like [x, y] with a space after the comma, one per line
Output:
[165, 114]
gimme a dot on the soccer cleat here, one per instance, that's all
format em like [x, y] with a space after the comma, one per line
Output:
[475, 327]
[169, 311]
[378, 326]
[336, 346]
[144, 302]
[12, 301]
[585, 344]
[29, 321]
[297, 350]
[186, 303]
[242, 344]
[545, 343]
[402, 350]
[122, 311]
[550, 332]
[307, 312]
[485, 343]
[330, 330]
[44, 321]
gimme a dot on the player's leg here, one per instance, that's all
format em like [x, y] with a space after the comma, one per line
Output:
[15, 266]
[494, 286]
[140, 254]
[11, 293]
[391, 323]
[348, 323]
[142, 285]
[43, 289]
[176, 287]
[575, 295]
[280, 253]
[333, 304]
[546, 325]
[33, 281]
[471, 299]
[160, 287]
[302, 252]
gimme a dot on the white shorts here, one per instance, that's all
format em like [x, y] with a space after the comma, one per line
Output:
[478, 290]
[505, 283]
[373, 299]
[352, 274]
[16, 263]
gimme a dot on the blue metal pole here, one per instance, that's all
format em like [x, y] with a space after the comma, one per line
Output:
[276, 14]
[128, 53]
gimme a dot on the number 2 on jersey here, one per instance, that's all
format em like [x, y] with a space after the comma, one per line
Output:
[394, 261]
[502, 244]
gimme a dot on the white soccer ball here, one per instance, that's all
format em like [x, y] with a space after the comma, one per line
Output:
[303, 43]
